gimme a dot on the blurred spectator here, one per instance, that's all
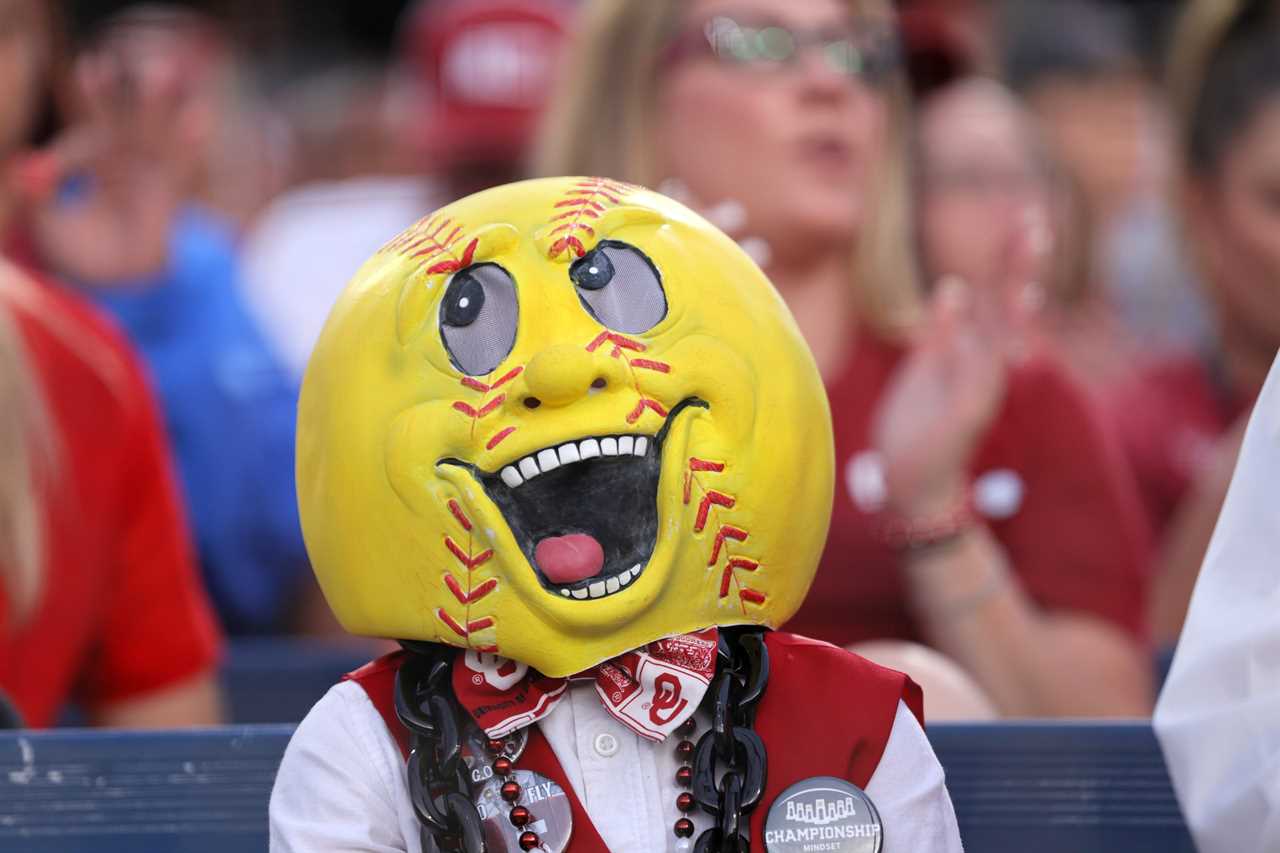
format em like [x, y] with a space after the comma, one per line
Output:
[349, 191]
[455, 117]
[987, 182]
[119, 223]
[1185, 420]
[980, 507]
[99, 599]
[1077, 66]
[100, 602]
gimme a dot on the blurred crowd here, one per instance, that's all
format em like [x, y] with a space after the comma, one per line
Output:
[1034, 246]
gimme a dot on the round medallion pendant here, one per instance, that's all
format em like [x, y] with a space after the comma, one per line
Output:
[525, 802]
[823, 813]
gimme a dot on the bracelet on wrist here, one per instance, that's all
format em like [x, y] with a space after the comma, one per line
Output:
[918, 535]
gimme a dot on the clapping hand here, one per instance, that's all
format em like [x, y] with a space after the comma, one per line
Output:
[950, 386]
[127, 165]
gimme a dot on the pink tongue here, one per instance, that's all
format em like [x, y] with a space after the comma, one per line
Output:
[565, 559]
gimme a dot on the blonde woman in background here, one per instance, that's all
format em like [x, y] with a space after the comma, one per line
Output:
[25, 439]
[99, 599]
[981, 510]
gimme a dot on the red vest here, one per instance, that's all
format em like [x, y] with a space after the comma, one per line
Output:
[826, 712]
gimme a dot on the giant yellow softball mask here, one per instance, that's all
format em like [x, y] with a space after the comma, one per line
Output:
[557, 420]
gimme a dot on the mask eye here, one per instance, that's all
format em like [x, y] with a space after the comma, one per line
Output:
[478, 318]
[620, 287]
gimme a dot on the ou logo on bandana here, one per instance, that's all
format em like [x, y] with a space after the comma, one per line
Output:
[500, 673]
[666, 697]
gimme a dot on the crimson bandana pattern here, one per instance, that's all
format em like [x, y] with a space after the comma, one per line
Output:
[650, 690]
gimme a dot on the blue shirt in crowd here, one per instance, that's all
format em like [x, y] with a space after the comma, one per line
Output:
[230, 408]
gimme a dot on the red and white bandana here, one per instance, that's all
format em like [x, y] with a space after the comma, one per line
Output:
[651, 690]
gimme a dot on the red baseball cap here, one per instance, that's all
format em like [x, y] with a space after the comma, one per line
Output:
[484, 70]
[938, 42]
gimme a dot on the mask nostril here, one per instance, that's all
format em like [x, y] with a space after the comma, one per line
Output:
[532, 402]
[599, 382]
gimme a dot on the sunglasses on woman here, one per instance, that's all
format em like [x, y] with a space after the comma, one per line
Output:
[866, 53]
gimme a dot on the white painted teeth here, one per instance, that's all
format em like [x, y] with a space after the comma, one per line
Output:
[608, 586]
[550, 458]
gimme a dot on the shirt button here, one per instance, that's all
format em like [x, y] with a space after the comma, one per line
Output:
[605, 745]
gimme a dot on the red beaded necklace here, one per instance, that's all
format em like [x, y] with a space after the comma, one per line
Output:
[684, 778]
[521, 817]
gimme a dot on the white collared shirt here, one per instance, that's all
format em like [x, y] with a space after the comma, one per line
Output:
[342, 786]
[1218, 718]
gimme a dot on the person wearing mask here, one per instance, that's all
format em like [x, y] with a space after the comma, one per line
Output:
[559, 453]
[979, 507]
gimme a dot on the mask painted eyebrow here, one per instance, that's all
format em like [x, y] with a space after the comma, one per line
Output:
[587, 214]
[431, 237]
[444, 248]
[574, 220]
[444, 245]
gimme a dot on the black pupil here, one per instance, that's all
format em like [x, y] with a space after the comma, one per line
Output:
[463, 302]
[592, 272]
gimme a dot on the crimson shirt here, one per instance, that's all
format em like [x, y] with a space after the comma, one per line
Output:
[121, 611]
[1170, 420]
[1049, 481]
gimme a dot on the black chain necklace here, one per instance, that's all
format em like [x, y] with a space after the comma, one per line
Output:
[742, 674]
[731, 749]
[438, 784]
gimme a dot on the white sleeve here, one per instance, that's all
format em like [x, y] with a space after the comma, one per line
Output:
[1218, 718]
[910, 792]
[341, 784]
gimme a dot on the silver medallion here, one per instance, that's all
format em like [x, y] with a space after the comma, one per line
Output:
[479, 758]
[550, 815]
[823, 813]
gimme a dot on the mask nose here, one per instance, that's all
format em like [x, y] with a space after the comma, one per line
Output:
[559, 375]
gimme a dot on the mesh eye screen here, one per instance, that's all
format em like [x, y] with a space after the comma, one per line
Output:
[633, 301]
[478, 348]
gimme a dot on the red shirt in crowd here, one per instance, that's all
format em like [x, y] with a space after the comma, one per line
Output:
[121, 611]
[1170, 421]
[1048, 480]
